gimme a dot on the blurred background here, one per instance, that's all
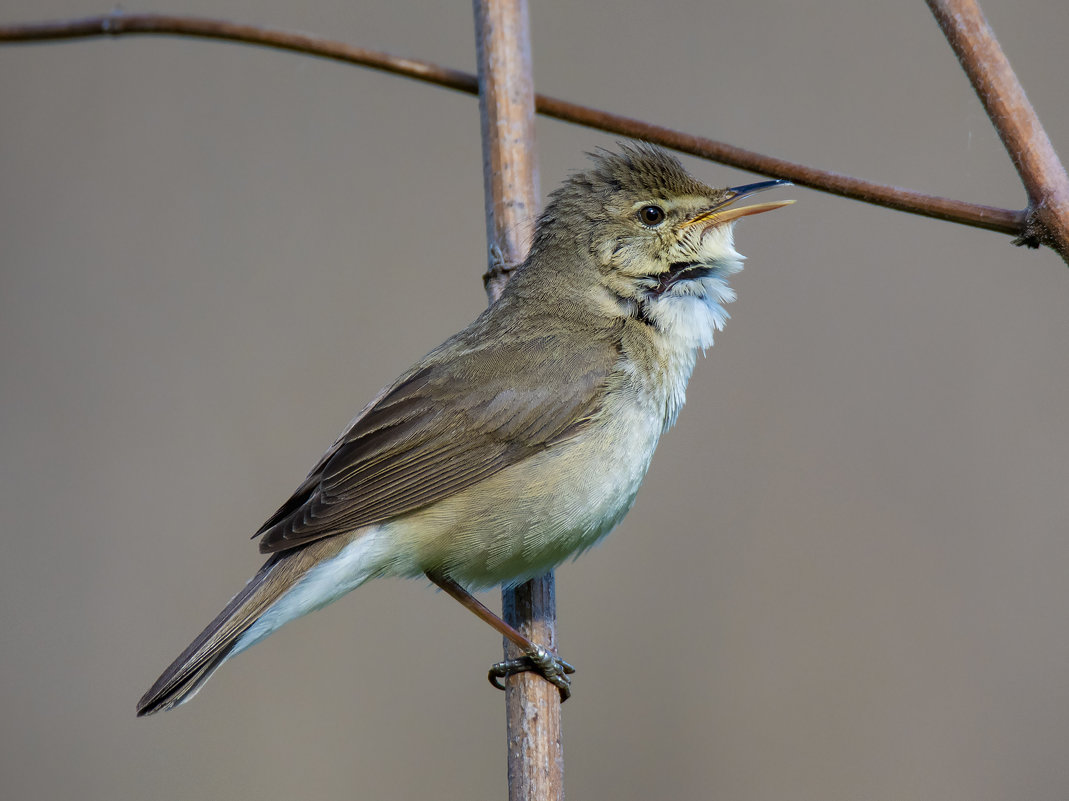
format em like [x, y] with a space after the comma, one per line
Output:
[846, 574]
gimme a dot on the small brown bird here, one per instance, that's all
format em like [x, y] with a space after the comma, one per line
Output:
[522, 440]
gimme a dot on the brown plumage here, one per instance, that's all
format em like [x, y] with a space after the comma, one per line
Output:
[523, 439]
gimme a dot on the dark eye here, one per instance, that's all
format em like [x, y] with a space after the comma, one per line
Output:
[651, 215]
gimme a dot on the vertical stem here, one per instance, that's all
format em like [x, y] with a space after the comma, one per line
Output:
[506, 103]
[532, 704]
[506, 106]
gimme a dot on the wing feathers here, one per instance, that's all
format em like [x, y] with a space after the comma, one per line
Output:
[449, 424]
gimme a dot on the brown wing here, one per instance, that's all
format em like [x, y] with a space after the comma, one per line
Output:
[449, 423]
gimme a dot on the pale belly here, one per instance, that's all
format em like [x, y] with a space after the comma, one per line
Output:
[532, 516]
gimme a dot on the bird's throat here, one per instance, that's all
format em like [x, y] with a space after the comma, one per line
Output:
[680, 271]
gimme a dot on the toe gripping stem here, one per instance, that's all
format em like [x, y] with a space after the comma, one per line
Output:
[538, 660]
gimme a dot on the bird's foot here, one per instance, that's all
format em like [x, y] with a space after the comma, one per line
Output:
[539, 660]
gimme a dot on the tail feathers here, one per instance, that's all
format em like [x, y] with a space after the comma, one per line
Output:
[214, 645]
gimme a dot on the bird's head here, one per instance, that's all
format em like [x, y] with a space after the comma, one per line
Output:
[660, 241]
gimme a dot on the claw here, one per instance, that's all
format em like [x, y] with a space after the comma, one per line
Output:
[542, 661]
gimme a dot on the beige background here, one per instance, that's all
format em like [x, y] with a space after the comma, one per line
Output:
[847, 575]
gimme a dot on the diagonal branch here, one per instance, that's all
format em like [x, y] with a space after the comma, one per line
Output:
[995, 219]
[1015, 120]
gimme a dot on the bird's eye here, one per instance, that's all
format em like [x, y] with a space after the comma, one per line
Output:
[651, 215]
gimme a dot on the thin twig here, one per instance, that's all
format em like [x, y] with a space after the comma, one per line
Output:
[1015, 120]
[1005, 221]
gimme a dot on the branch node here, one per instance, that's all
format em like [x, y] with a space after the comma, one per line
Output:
[500, 268]
[1035, 232]
[111, 23]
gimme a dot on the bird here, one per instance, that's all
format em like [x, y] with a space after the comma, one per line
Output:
[522, 440]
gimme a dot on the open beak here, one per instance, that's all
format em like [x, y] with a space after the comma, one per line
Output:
[726, 212]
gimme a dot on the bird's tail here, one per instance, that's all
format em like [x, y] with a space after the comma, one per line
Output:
[290, 584]
[215, 644]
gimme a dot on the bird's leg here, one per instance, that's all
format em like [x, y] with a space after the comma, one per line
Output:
[536, 658]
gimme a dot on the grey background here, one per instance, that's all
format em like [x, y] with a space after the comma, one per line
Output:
[846, 575]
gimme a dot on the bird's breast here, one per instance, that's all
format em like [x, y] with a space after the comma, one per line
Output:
[535, 514]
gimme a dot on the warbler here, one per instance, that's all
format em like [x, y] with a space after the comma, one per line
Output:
[522, 440]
